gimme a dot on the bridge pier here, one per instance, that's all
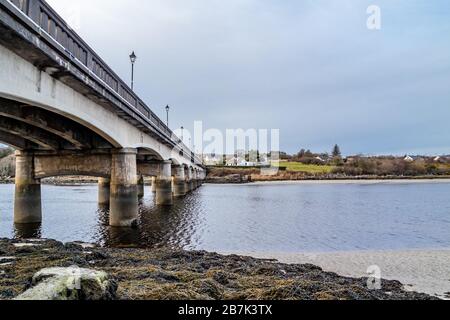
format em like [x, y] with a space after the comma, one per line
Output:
[163, 184]
[179, 183]
[153, 184]
[190, 182]
[195, 180]
[140, 187]
[27, 201]
[202, 178]
[104, 194]
[124, 192]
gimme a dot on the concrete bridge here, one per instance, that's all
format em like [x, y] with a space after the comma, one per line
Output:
[68, 113]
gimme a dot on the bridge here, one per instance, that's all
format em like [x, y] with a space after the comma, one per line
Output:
[67, 113]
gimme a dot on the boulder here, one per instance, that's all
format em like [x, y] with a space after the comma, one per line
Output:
[70, 284]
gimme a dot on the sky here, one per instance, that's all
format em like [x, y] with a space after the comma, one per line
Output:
[310, 68]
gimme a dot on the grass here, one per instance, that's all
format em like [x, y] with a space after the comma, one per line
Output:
[308, 168]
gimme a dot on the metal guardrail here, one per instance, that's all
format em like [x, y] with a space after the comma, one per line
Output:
[50, 23]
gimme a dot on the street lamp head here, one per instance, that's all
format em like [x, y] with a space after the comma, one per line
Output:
[133, 57]
[167, 108]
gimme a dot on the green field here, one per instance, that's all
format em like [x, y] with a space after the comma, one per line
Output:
[308, 168]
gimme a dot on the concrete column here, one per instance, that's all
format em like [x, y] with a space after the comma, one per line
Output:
[179, 182]
[154, 184]
[104, 194]
[202, 178]
[195, 179]
[27, 201]
[199, 179]
[124, 199]
[141, 187]
[172, 181]
[190, 181]
[163, 184]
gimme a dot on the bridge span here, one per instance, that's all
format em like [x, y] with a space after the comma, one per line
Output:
[68, 113]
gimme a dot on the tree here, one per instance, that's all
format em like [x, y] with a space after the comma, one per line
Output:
[4, 152]
[336, 152]
[301, 154]
[309, 154]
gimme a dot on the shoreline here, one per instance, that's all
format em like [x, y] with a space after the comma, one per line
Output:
[74, 181]
[341, 181]
[167, 274]
[420, 270]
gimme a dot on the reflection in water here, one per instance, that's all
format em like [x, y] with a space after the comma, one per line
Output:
[159, 226]
[27, 231]
[122, 237]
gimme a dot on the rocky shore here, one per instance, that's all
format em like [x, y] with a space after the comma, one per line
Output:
[143, 274]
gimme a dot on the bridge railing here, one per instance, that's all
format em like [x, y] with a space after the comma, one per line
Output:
[53, 25]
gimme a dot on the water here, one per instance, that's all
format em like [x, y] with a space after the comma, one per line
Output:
[255, 218]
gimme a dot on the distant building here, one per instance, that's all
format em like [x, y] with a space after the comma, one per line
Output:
[212, 160]
[320, 159]
[238, 160]
[408, 159]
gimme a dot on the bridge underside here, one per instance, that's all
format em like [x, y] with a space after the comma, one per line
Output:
[27, 127]
[49, 144]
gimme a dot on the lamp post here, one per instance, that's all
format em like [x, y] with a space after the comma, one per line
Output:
[133, 58]
[167, 111]
[182, 132]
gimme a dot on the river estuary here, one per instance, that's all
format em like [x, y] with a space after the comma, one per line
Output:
[305, 217]
[323, 223]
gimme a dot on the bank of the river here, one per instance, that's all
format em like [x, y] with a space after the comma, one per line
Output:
[171, 274]
[59, 181]
[249, 175]
[244, 179]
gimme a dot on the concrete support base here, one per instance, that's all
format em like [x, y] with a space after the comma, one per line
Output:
[124, 193]
[104, 186]
[27, 201]
[163, 185]
[140, 187]
[154, 184]
[179, 182]
[179, 188]
[164, 192]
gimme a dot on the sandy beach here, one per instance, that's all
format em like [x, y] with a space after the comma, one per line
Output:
[426, 271]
